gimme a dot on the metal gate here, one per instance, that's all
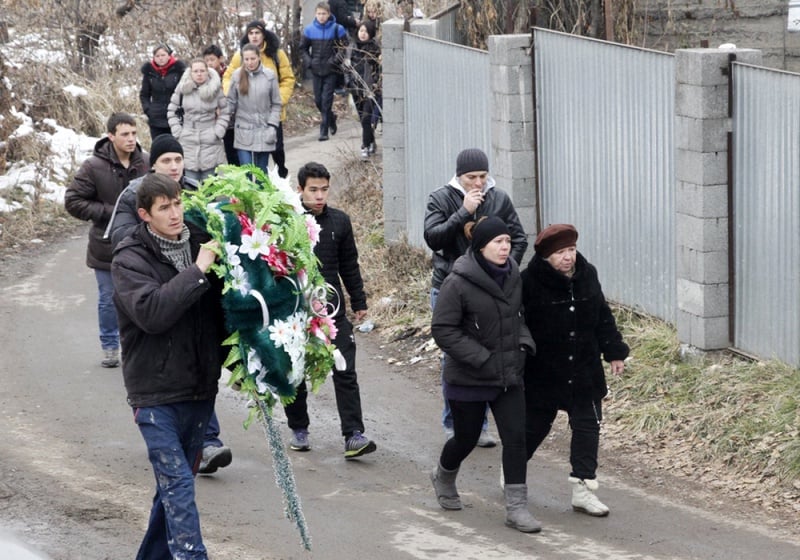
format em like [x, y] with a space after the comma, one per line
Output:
[766, 212]
[447, 110]
[606, 150]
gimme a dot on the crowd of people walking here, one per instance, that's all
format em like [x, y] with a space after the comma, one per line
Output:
[518, 343]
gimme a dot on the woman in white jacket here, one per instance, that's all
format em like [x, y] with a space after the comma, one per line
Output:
[255, 98]
[198, 117]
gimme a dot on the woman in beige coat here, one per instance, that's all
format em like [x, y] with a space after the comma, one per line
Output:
[198, 117]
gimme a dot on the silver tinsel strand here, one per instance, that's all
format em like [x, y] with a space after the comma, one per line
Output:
[284, 476]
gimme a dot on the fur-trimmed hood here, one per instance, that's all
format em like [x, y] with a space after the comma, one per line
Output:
[208, 91]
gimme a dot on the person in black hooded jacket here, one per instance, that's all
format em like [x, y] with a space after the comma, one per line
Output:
[573, 326]
[364, 70]
[478, 323]
[160, 77]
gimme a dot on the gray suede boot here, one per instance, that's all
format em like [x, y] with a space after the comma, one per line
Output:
[444, 483]
[517, 515]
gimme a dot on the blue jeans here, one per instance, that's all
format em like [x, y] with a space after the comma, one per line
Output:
[106, 312]
[260, 159]
[212, 432]
[173, 434]
[447, 416]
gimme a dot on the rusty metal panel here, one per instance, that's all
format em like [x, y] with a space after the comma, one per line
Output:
[447, 110]
[605, 140]
[766, 212]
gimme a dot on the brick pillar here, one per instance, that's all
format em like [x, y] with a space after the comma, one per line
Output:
[512, 128]
[701, 174]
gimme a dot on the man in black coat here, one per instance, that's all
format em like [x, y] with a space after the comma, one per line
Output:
[172, 328]
[166, 154]
[117, 160]
[470, 195]
[338, 256]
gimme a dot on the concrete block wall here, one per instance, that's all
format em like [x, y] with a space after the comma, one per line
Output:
[512, 128]
[394, 151]
[702, 211]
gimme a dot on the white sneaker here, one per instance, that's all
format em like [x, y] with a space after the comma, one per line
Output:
[584, 499]
[486, 439]
[364, 153]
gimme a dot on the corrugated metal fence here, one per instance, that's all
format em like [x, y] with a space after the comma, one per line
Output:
[447, 110]
[605, 139]
[766, 212]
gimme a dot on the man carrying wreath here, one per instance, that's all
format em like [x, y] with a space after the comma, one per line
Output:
[172, 327]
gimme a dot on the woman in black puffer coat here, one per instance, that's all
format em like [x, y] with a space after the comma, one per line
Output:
[573, 326]
[478, 323]
[160, 77]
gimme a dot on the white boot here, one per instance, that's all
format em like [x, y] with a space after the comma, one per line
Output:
[583, 498]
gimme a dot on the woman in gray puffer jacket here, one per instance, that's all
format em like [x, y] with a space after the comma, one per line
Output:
[198, 118]
[255, 99]
[478, 322]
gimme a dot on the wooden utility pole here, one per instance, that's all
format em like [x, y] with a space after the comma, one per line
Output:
[609, 10]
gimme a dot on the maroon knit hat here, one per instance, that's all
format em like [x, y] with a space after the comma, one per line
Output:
[554, 238]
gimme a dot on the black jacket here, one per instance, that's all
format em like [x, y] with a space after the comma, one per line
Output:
[445, 217]
[156, 91]
[573, 326]
[338, 256]
[124, 217]
[93, 191]
[171, 323]
[480, 326]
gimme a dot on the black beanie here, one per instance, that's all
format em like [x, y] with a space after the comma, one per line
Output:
[163, 144]
[486, 230]
[471, 159]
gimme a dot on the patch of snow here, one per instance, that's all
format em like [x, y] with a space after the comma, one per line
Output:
[76, 91]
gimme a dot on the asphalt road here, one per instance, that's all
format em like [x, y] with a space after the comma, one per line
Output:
[75, 481]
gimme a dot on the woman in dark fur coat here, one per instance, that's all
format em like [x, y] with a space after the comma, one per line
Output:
[573, 327]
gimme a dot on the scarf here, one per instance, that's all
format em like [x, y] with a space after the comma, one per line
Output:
[176, 251]
[496, 272]
[162, 70]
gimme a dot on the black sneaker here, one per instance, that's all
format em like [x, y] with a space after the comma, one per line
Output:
[357, 445]
[299, 441]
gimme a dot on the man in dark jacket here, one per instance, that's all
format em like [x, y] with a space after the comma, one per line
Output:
[166, 154]
[172, 327]
[323, 47]
[117, 159]
[470, 195]
[338, 256]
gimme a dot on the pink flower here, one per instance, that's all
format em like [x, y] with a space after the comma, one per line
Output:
[278, 260]
[246, 223]
[313, 229]
[323, 328]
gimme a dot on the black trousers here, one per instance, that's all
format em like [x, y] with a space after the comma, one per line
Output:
[365, 106]
[345, 385]
[508, 410]
[323, 99]
[585, 416]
